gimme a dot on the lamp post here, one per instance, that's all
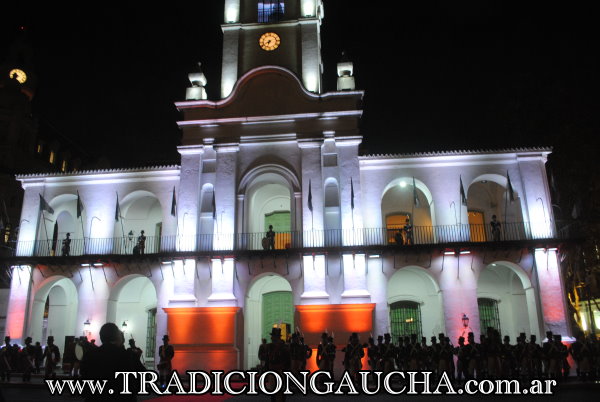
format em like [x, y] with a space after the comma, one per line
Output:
[465, 322]
[86, 327]
[124, 327]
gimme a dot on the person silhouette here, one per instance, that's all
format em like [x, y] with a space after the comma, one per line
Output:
[66, 245]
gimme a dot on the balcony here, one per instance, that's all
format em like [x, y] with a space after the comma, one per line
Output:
[208, 243]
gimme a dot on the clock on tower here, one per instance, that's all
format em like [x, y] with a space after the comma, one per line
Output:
[283, 33]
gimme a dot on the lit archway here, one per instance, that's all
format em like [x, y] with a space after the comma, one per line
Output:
[487, 196]
[506, 297]
[140, 210]
[54, 227]
[54, 311]
[133, 301]
[269, 302]
[332, 213]
[414, 298]
[268, 194]
[207, 219]
[402, 200]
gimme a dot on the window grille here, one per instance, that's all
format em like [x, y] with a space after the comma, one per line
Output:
[151, 334]
[270, 10]
[405, 318]
[488, 314]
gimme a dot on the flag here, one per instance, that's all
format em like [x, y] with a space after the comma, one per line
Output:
[416, 201]
[44, 205]
[463, 196]
[173, 204]
[117, 210]
[310, 207]
[79, 205]
[214, 205]
[511, 192]
[351, 194]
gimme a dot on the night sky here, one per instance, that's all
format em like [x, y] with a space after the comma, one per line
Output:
[453, 75]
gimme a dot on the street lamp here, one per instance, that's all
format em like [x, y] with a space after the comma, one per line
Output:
[86, 327]
[465, 321]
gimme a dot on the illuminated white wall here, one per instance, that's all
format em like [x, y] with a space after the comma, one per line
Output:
[552, 295]
[232, 11]
[315, 289]
[311, 55]
[222, 282]
[355, 283]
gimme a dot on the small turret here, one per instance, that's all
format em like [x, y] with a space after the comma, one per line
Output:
[345, 70]
[198, 80]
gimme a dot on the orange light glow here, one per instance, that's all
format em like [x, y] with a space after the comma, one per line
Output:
[339, 319]
[204, 338]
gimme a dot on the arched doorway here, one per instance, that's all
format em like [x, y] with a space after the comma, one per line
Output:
[269, 303]
[414, 303]
[140, 210]
[506, 300]
[405, 198]
[268, 192]
[488, 196]
[133, 302]
[54, 310]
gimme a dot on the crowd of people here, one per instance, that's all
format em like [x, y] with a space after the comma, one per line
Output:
[490, 357]
[29, 359]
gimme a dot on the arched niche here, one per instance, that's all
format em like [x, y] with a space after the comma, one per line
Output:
[511, 288]
[207, 220]
[133, 300]
[332, 213]
[487, 195]
[140, 210]
[254, 311]
[268, 194]
[413, 284]
[54, 310]
[398, 203]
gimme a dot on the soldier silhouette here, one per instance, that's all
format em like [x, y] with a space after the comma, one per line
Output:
[66, 245]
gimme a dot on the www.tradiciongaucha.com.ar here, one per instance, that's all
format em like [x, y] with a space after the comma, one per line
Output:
[288, 383]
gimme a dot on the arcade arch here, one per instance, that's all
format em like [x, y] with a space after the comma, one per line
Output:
[269, 200]
[269, 302]
[487, 195]
[133, 301]
[140, 210]
[503, 288]
[414, 303]
[54, 310]
[54, 227]
[398, 204]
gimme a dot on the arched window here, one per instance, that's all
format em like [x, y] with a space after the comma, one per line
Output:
[405, 319]
[333, 220]
[270, 10]
[488, 314]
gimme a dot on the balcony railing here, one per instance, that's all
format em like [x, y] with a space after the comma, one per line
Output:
[391, 236]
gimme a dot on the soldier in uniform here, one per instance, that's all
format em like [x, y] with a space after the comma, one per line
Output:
[414, 354]
[166, 354]
[141, 243]
[322, 361]
[534, 351]
[372, 353]
[262, 354]
[66, 245]
[354, 354]
[434, 351]
[473, 356]
[5, 358]
[582, 354]
[462, 362]
[508, 358]
[307, 353]
[330, 354]
[52, 356]
[297, 353]
[446, 355]
[546, 346]
[134, 351]
[278, 359]
[387, 354]
[28, 359]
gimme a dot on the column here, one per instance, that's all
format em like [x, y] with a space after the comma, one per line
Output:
[184, 279]
[223, 275]
[551, 290]
[312, 222]
[315, 289]
[189, 194]
[355, 279]
[18, 313]
[225, 196]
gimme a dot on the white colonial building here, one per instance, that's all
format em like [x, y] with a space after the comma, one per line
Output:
[277, 150]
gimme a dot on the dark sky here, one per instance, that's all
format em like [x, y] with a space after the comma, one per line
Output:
[451, 75]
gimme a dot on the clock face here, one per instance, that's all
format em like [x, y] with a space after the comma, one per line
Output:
[269, 41]
[18, 74]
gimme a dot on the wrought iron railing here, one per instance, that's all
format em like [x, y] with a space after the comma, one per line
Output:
[391, 236]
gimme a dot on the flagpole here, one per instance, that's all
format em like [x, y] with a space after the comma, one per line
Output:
[508, 185]
[117, 215]
[46, 230]
[80, 213]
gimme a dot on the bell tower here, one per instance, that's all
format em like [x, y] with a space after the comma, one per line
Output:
[283, 33]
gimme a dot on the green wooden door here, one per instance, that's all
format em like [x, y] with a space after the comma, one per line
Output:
[277, 307]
